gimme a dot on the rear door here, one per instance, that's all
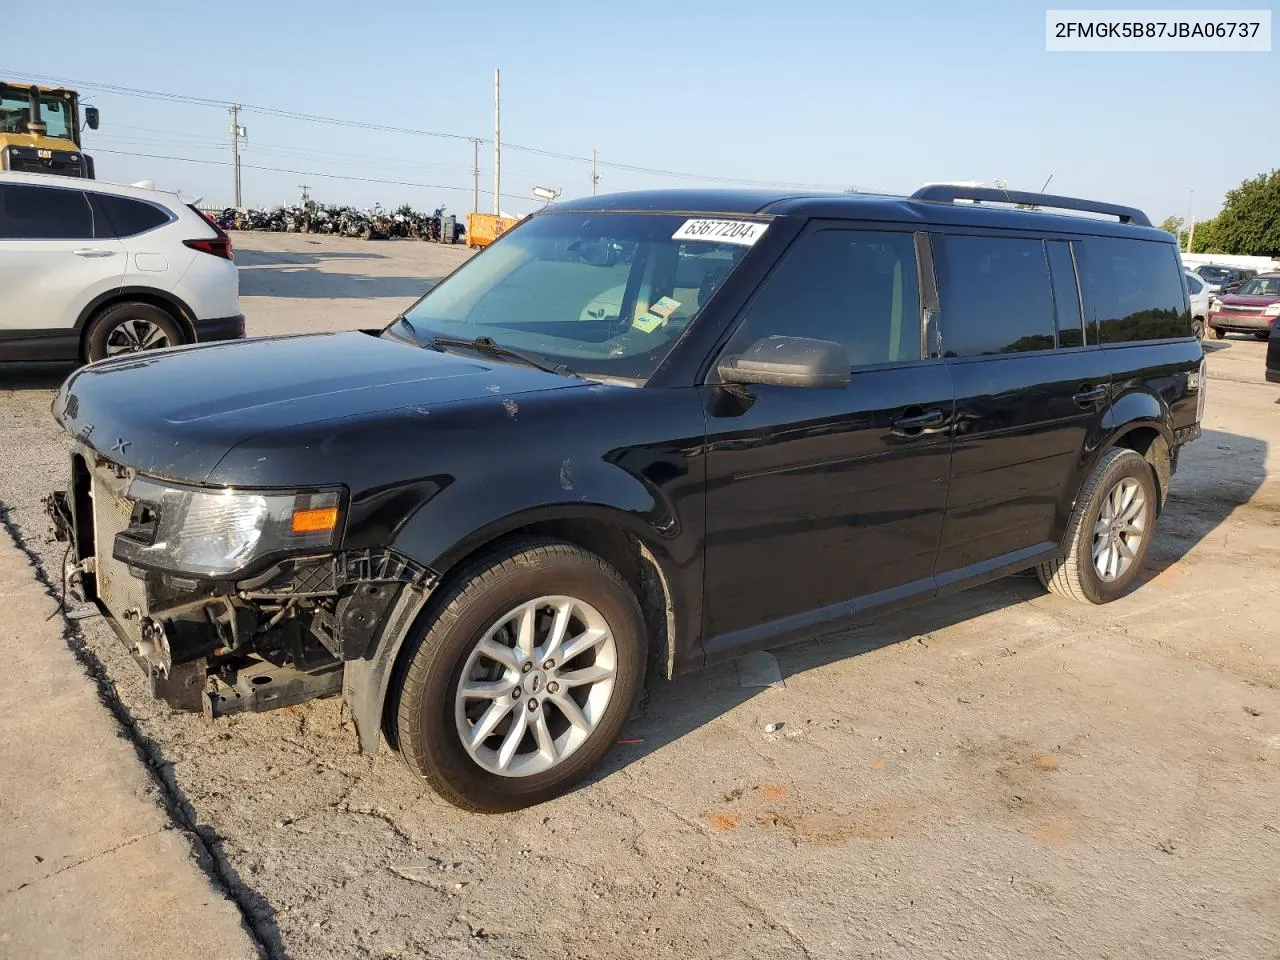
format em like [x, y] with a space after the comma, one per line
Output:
[1031, 391]
[55, 257]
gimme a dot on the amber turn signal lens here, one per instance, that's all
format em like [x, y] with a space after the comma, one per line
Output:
[316, 520]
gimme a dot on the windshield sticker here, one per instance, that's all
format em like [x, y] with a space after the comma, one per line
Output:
[648, 322]
[665, 307]
[742, 232]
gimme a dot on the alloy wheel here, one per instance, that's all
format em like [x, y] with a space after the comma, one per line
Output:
[134, 336]
[535, 686]
[1119, 530]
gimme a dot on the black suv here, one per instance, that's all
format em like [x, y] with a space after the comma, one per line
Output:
[640, 433]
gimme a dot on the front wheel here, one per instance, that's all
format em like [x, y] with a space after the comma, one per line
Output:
[1262, 334]
[1219, 334]
[1109, 531]
[520, 684]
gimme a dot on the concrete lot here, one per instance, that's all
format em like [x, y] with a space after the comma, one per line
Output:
[1001, 774]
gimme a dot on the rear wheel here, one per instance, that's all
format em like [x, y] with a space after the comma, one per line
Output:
[521, 683]
[1197, 325]
[131, 328]
[1218, 334]
[1109, 531]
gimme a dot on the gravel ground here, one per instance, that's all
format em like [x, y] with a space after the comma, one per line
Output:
[1000, 774]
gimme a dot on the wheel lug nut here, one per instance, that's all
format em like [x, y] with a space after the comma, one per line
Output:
[533, 705]
[549, 665]
[553, 687]
[527, 667]
[515, 694]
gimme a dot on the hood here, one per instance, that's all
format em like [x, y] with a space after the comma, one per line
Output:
[176, 413]
[1239, 300]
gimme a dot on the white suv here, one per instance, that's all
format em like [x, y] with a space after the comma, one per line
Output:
[90, 270]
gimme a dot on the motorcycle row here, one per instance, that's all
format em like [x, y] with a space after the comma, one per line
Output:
[375, 224]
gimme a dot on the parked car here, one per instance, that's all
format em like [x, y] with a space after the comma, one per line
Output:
[90, 269]
[486, 523]
[1224, 279]
[1273, 355]
[1253, 308]
[1199, 294]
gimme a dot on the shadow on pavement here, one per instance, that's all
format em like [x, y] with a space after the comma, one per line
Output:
[288, 280]
[1217, 474]
[299, 258]
[35, 375]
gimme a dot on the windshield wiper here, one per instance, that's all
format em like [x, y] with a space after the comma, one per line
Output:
[487, 346]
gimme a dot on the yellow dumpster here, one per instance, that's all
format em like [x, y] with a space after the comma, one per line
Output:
[484, 228]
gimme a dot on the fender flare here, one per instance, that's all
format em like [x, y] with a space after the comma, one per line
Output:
[367, 681]
[183, 313]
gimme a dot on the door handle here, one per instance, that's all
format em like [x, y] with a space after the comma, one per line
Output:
[1089, 395]
[93, 252]
[916, 424]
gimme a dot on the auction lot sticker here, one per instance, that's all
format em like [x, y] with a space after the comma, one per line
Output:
[742, 232]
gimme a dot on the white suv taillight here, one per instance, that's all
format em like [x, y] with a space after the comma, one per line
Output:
[219, 246]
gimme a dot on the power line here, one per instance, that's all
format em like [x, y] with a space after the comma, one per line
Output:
[302, 173]
[386, 128]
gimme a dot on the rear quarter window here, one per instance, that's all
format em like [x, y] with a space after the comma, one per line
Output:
[127, 217]
[1135, 290]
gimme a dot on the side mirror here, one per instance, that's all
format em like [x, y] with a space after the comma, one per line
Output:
[91, 117]
[788, 362]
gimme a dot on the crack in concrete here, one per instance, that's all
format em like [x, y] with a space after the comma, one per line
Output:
[255, 911]
[82, 861]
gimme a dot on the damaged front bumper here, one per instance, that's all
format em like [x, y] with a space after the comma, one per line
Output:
[280, 636]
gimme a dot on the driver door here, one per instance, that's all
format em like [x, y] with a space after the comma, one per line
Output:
[821, 502]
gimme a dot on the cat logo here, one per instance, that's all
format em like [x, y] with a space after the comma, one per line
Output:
[44, 154]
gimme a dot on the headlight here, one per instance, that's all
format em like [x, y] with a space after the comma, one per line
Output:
[1272, 311]
[213, 533]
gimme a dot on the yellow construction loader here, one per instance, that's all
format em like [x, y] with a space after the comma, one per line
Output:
[40, 130]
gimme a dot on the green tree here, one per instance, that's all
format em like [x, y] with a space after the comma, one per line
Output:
[1250, 219]
[1206, 239]
[1172, 225]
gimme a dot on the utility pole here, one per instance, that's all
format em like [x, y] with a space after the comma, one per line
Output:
[595, 177]
[305, 197]
[497, 141]
[475, 175]
[237, 132]
[1190, 219]
[1191, 233]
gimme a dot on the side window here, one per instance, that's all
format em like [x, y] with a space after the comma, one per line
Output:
[44, 213]
[995, 296]
[1194, 283]
[126, 217]
[856, 288]
[1135, 290]
[1066, 293]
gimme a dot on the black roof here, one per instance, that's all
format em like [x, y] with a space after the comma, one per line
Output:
[854, 206]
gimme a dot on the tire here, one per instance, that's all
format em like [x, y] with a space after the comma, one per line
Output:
[1219, 334]
[430, 718]
[1261, 334]
[1076, 576]
[131, 327]
[1197, 327]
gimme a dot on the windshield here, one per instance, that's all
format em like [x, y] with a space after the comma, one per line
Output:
[1260, 287]
[600, 293]
[15, 111]
[1213, 274]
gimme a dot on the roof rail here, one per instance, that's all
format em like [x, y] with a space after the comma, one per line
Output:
[949, 193]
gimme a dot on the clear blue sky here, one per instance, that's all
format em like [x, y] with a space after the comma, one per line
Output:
[882, 97]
